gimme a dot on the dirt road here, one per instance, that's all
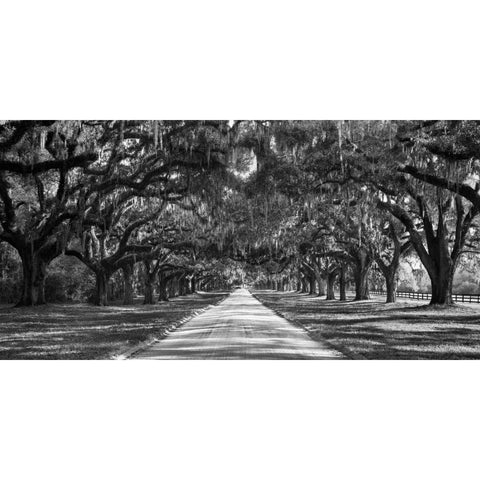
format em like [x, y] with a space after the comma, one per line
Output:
[240, 327]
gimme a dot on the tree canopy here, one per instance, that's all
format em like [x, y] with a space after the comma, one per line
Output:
[175, 206]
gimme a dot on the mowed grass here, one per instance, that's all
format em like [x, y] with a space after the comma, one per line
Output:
[82, 331]
[375, 330]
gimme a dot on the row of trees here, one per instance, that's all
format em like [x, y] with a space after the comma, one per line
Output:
[183, 204]
[118, 196]
[337, 198]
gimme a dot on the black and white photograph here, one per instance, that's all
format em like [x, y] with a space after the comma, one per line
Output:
[239, 240]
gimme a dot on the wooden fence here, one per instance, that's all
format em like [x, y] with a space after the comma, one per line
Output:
[457, 297]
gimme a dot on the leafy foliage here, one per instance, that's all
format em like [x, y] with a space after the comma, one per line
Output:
[141, 207]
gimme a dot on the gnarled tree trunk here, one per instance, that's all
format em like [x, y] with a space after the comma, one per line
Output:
[331, 277]
[34, 273]
[390, 273]
[363, 262]
[34, 266]
[320, 283]
[441, 279]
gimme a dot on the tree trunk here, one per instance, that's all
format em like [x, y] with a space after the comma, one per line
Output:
[390, 273]
[320, 284]
[441, 277]
[311, 288]
[149, 295]
[391, 284]
[187, 286]
[34, 273]
[193, 285]
[331, 276]
[182, 290]
[342, 282]
[163, 291]
[362, 267]
[298, 282]
[442, 287]
[436, 258]
[101, 286]
[441, 268]
[361, 285]
[172, 288]
[128, 284]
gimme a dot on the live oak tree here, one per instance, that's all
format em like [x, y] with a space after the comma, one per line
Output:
[451, 166]
[53, 175]
[41, 165]
[109, 244]
[178, 205]
[330, 197]
[390, 246]
[437, 219]
[158, 168]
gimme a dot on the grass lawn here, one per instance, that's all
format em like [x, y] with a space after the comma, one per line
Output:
[375, 330]
[82, 331]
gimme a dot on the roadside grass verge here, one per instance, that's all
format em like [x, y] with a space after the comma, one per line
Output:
[375, 330]
[82, 331]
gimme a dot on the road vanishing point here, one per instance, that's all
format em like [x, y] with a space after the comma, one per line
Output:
[239, 328]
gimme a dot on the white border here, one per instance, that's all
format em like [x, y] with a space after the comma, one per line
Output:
[353, 59]
[250, 59]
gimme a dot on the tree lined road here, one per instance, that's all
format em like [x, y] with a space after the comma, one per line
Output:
[240, 327]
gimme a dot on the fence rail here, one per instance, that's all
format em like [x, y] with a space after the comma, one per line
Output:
[457, 297]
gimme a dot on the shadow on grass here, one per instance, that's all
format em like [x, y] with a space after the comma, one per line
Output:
[82, 331]
[384, 331]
